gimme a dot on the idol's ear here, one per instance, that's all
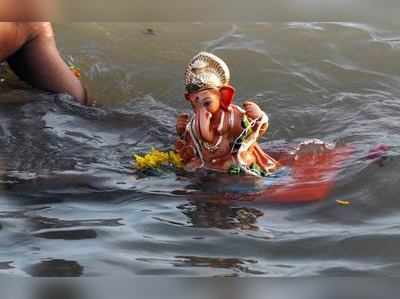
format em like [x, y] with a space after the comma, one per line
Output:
[227, 93]
[187, 96]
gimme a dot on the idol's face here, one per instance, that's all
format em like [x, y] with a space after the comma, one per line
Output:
[208, 100]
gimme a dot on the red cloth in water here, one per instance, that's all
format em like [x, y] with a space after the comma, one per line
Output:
[312, 178]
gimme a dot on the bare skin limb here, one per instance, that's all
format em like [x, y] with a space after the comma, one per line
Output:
[30, 50]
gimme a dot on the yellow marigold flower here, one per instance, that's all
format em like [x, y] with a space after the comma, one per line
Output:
[155, 159]
[75, 70]
[140, 162]
[175, 159]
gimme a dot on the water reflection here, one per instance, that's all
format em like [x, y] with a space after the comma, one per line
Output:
[206, 214]
[59, 229]
[59, 290]
[56, 268]
[216, 184]
[41, 223]
[236, 264]
[6, 265]
[76, 234]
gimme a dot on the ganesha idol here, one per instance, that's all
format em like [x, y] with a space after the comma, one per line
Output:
[220, 136]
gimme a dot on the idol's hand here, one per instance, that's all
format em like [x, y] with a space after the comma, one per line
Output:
[184, 150]
[181, 123]
[193, 165]
[252, 110]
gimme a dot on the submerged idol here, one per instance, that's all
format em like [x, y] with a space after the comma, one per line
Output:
[220, 136]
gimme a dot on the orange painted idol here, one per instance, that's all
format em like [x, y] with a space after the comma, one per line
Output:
[220, 136]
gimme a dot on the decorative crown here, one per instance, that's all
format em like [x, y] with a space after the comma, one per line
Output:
[206, 71]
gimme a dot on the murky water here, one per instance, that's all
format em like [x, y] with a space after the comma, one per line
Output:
[72, 205]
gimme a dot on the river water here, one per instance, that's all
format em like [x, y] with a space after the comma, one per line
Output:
[71, 204]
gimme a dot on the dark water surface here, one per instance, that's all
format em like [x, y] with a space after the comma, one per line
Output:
[72, 205]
